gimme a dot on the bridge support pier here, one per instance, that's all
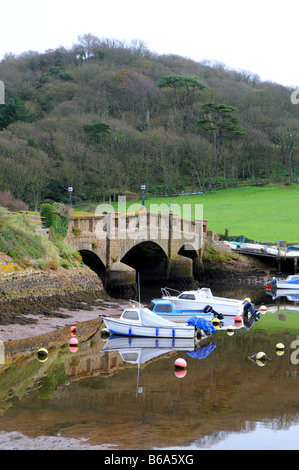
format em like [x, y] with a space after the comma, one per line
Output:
[180, 271]
[121, 281]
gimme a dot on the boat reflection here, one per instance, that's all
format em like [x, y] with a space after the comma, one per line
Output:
[291, 295]
[139, 351]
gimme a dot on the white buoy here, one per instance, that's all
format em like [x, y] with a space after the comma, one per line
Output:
[263, 309]
[261, 356]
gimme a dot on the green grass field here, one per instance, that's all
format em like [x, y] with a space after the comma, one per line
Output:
[263, 213]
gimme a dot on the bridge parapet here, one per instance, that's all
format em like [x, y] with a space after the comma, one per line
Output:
[119, 225]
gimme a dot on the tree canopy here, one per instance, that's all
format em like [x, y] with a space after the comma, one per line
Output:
[104, 116]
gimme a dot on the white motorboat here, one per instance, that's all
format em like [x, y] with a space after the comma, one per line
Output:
[143, 322]
[291, 282]
[199, 299]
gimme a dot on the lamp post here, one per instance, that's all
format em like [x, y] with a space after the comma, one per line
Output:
[143, 188]
[70, 190]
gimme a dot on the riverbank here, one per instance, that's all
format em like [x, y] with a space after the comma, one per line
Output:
[33, 303]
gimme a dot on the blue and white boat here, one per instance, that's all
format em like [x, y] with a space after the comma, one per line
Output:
[291, 282]
[165, 308]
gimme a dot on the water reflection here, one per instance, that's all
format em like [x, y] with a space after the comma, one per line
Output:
[124, 393]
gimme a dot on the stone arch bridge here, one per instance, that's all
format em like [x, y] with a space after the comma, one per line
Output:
[157, 246]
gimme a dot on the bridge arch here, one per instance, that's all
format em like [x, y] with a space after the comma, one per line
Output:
[93, 261]
[149, 260]
[188, 251]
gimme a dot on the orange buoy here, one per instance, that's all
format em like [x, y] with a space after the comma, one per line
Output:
[238, 320]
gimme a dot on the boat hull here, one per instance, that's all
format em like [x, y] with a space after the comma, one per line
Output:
[228, 308]
[118, 327]
[286, 285]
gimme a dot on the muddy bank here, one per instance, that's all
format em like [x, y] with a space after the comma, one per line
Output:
[29, 293]
[17, 441]
[243, 271]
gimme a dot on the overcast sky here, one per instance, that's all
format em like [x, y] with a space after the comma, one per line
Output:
[259, 35]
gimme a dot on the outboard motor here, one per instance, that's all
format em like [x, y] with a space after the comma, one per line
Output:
[209, 309]
[272, 283]
[248, 308]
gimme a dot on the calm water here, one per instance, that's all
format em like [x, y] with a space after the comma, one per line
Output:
[129, 395]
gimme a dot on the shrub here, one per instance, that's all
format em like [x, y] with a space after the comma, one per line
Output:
[57, 217]
[8, 201]
[3, 219]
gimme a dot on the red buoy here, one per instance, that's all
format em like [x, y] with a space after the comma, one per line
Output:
[73, 342]
[238, 320]
[73, 330]
[180, 362]
[180, 373]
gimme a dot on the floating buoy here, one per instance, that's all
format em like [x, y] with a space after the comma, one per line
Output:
[261, 356]
[238, 320]
[73, 330]
[263, 309]
[230, 330]
[42, 354]
[216, 322]
[180, 373]
[180, 362]
[280, 349]
[105, 333]
[73, 342]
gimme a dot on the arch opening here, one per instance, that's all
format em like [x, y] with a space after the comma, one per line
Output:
[188, 251]
[149, 260]
[94, 262]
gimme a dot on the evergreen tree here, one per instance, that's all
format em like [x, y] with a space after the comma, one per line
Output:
[219, 119]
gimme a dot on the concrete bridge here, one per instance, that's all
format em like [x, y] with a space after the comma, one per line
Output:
[156, 246]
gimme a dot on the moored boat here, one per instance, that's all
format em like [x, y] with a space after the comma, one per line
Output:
[291, 282]
[200, 298]
[143, 322]
[165, 309]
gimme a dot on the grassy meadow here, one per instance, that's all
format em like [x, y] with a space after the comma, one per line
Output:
[263, 213]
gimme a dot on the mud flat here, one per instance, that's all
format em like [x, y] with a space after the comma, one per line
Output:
[36, 303]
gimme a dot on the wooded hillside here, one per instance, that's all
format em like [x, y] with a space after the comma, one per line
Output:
[105, 117]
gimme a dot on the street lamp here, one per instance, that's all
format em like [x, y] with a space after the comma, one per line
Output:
[143, 188]
[70, 190]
